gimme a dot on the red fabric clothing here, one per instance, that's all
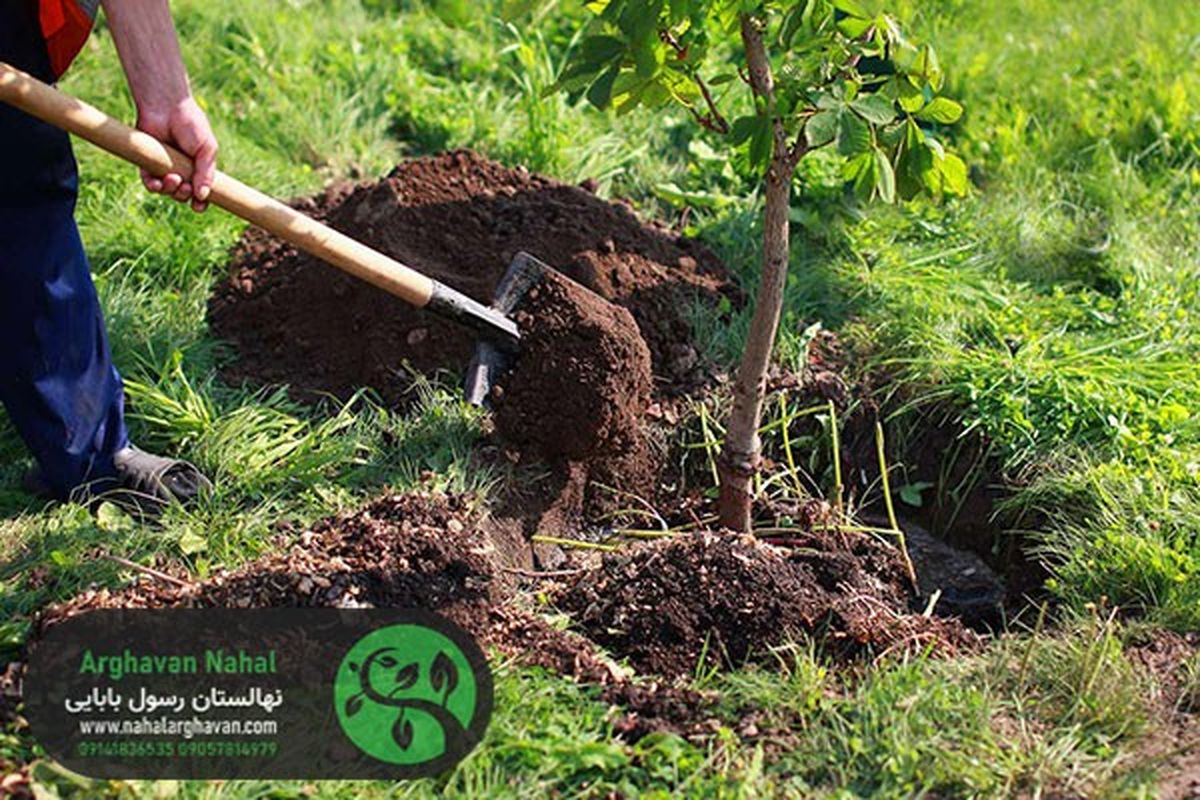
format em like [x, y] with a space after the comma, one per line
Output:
[66, 25]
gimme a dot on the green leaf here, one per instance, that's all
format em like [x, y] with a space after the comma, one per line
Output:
[656, 94]
[110, 517]
[599, 93]
[874, 108]
[640, 19]
[454, 13]
[677, 196]
[598, 50]
[791, 24]
[648, 57]
[954, 175]
[852, 8]
[720, 80]
[761, 144]
[911, 493]
[890, 136]
[911, 98]
[852, 27]
[885, 177]
[927, 67]
[191, 543]
[941, 109]
[821, 128]
[742, 130]
[828, 101]
[853, 135]
[915, 162]
[860, 172]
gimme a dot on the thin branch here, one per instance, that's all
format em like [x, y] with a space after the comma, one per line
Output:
[153, 573]
[714, 120]
[762, 81]
[798, 149]
[532, 573]
[714, 113]
[799, 146]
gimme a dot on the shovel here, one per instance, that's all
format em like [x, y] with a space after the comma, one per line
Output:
[499, 338]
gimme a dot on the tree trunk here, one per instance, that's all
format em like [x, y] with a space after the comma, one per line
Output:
[741, 453]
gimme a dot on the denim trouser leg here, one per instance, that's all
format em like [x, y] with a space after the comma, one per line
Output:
[57, 379]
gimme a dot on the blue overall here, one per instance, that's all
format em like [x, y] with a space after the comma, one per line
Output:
[57, 380]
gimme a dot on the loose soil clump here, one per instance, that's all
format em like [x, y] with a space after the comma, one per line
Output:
[579, 388]
[459, 218]
[669, 606]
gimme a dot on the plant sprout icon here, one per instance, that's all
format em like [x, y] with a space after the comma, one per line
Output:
[382, 680]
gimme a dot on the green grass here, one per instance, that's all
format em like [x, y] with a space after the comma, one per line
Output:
[1054, 311]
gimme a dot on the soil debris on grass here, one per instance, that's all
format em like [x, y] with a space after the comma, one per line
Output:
[414, 550]
[459, 218]
[659, 606]
[671, 605]
[420, 550]
[579, 388]
[1173, 745]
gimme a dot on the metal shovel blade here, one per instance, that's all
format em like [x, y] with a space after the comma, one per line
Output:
[490, 360]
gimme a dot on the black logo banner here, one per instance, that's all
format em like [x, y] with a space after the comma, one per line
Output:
[257, 693]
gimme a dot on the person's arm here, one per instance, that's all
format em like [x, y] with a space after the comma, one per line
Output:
[149, 49]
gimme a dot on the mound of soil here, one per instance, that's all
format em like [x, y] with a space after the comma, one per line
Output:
[427, 551]
[580, 386]
[670, 605]
[401, 551]
[460, 218]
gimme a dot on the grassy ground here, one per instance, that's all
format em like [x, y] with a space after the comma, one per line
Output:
[1053, 311]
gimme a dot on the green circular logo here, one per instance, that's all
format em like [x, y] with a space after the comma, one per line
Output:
[416, 694]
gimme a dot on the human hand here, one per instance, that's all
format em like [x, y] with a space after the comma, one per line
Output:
[184, 126]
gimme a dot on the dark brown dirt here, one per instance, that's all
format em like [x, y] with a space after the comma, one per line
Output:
[579, 389]
[403, 551]
[582, 377]
[670, 605]
[426, 551]
[460, 218]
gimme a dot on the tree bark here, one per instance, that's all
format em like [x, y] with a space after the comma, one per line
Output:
[741, 454]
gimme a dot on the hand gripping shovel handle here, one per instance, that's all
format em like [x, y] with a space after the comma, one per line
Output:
[87, 122]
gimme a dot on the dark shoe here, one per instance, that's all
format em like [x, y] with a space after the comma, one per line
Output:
[152, 482]
[147, 483]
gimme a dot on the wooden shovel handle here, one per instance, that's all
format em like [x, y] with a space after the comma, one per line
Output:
[87, 122]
